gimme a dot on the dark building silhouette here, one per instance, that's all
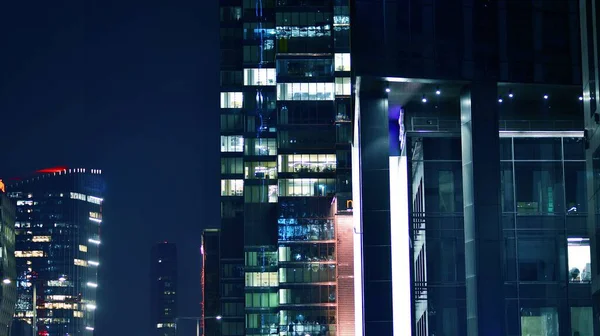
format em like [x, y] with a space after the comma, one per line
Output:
[58, 221]
[211, 282]
[8, 271]
[163, 287]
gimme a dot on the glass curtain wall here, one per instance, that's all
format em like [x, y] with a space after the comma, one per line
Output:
[547, 253]
[436, 217]
[546, 248]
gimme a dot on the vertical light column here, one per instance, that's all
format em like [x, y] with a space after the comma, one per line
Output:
[399, 226]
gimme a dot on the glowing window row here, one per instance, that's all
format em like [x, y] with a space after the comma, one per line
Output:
[261, 279]
[60, 305]
[306, 187]
[41, 239]
[259, 77]
[29, 254]
[165, 325]
[307, 163]
[305, 91]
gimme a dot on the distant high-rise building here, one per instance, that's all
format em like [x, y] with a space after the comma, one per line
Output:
[8, 295]
[58, 220]
[163, 282]
[211, 293]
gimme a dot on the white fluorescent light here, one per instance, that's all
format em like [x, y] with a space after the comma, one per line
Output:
[93, 263]
[96, 220]
[91, 306]
[94, 241]
[92, 284]
[89, 328]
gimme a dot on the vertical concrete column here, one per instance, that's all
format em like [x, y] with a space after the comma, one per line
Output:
[481, 194]
[375, 207]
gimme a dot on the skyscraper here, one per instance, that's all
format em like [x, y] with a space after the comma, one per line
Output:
[58, 221]
[286, 102]
[163, 287]
[8, 294]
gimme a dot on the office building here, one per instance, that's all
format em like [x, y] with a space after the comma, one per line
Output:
[163, 289]
[211, 292]
[286, 129]
[470, 141]
[8, 271]
[590, 60]
[57, 228]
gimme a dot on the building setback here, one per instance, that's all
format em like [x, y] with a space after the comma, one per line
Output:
[58, 221]
[163, 287]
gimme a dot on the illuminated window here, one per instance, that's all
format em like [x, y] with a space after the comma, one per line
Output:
[307, 163]
[232, 143]
[78, 196]
[165, 325]
[305, 91]
[262, 279]
[95, 200]
[260, 170]
[342, 62]
[77, 313]
[95, 215]
[24, 202]
[79, 262]
[232, 187]
[41, 239]
[261, 146]
[343, 86]
[259, 76]
[58, 283]
[232, 99]
[306, 187]
[580, 261]
[29, 254]
[83, 248]
[60, 305]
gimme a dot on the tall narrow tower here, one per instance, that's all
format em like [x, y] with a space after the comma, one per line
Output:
[286, 102]
[163, 288]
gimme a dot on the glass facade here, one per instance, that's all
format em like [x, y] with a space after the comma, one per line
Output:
[58, 220]
[547, 262]
[286, 97]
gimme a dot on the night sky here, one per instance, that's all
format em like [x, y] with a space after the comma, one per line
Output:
[130, 87]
